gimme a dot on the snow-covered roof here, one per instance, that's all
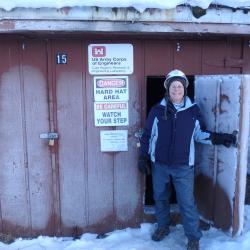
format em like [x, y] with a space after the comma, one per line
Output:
[140, 5]
[133, 16]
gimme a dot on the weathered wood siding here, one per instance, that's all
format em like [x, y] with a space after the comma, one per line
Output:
[72, 186]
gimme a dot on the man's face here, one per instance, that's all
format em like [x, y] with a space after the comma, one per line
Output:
[176, 92]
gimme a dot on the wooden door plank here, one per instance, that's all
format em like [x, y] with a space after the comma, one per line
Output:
[187, 56]
[71, 124]
[243, 145]
[34, 67]
[15, 207]
[128, 196]
[246, 70]
[234, 62]
[159, 58]
[213, 57]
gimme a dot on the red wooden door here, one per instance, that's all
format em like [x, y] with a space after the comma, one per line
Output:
[26, 172]
[70, 186]
[93, 185]
[70, 122]
[114, 184]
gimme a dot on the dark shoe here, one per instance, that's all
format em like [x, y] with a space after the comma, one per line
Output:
[193, 245]
[204, 226]
[159, 234]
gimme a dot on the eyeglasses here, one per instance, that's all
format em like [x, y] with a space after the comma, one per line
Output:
[179, 86]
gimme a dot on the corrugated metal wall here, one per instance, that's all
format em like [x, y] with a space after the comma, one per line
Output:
[72, 186]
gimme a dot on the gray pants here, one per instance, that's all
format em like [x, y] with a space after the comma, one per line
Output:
[183, 181]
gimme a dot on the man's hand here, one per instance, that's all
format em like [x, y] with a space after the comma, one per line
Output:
[144, 164]
[223, 139]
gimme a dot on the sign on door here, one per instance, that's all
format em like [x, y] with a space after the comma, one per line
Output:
[110, 59]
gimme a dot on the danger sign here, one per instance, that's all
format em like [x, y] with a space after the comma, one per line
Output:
[111, 88]
[111, 114]
[110, 59]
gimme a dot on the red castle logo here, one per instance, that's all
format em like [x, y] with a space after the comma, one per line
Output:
[98, 51]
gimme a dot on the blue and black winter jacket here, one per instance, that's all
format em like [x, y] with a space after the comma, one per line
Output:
[171, 141]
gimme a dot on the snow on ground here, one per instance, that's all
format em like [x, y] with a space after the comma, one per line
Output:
[138, 239]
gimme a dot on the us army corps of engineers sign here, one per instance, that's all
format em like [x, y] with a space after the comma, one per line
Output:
[110, 59]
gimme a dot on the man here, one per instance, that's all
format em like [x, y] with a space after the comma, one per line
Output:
[168, 139]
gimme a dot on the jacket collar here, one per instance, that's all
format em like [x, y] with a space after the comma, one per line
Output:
[187, 102]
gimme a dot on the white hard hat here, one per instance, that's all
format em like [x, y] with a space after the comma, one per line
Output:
[175, 74]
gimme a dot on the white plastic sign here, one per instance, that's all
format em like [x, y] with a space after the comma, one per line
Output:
[112, 88]
[111, 114]
[110, 59]
[114, 140]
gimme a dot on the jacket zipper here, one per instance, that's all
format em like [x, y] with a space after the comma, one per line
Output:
[173, 139]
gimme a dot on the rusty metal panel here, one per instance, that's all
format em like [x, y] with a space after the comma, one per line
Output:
[36, 115]
[71, 124]
[15, 202]
[187, 56]
[158, 57]
[222, 171]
